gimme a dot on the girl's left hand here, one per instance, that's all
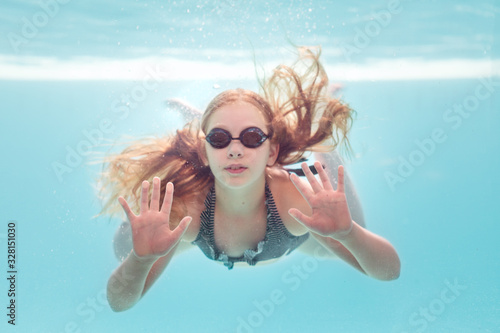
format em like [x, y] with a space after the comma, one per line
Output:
[330, 212]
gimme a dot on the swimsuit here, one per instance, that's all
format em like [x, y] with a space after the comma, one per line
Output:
[277, 241]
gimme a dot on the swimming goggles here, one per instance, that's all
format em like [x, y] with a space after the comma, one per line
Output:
[251, 137]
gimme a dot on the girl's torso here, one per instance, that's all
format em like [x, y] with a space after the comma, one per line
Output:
[232, 236]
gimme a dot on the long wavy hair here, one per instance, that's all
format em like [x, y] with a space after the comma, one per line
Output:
[301, 117]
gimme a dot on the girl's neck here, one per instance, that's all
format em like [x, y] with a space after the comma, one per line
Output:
[240, 202]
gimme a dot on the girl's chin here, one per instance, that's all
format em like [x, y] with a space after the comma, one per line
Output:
[234, 181]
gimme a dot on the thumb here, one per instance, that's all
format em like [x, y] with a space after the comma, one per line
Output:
[179, 231]
[126, 208]
[299, 216]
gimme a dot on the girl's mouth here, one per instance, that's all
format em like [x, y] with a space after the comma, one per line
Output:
[235, 169]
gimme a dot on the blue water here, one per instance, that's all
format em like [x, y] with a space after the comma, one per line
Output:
[441, 215]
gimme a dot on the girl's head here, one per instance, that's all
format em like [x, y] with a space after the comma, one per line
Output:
[238, 130]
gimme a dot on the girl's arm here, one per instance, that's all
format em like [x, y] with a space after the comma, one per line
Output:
[154, 246]
[332, 225]
[133, 278]
[366, 251]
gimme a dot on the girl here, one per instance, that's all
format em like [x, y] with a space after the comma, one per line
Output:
[233, 198]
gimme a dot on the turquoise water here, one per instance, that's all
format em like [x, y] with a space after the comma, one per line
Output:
[426, 174]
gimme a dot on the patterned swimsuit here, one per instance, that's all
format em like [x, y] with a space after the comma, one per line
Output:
[277, 241]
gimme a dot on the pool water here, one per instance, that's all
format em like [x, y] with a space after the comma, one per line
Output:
[426, 89]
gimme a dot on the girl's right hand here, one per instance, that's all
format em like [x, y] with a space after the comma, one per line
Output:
[151, 234]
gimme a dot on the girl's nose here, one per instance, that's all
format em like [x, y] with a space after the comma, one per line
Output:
[235, 149]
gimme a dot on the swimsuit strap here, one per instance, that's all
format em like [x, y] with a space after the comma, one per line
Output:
[277, 236]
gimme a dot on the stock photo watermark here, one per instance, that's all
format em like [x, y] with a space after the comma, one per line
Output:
[31, 26]
[293, 279]
[231, 9]
[87, 310]
[12, 272]
[365, 34]
[121, 108]
[420, 320]
[372, 29]
[454, 116]
[225, 8]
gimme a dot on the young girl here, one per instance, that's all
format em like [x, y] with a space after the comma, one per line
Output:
[233, 198]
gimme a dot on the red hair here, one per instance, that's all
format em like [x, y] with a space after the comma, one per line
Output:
[301, 118]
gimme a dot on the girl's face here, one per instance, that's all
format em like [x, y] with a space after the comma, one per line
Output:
[236, 165]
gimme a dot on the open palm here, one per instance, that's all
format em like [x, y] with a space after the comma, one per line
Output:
[151, 232]
[330, 212]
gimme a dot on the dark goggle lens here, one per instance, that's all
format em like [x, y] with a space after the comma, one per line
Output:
[251, 137]
[219, 139]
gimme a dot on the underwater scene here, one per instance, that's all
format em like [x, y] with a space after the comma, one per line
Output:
[80, 79]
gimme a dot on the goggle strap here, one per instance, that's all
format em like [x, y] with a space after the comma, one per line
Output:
[299, 172]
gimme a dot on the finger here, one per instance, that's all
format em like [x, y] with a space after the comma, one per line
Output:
[179, 231]
[310, 177]
[340, 186]
[145, 196]
[301, 186]
[300, 217]
[167, 200]
[130, 214]
[155, 198]
[327, 185]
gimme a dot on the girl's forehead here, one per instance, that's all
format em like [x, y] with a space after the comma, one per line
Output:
[237, 114]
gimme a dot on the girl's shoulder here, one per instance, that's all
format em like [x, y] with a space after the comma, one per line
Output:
[287, 196]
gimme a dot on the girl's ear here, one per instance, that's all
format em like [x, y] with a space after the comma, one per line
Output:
[273, 154]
